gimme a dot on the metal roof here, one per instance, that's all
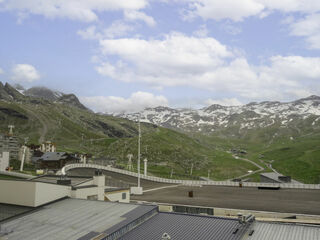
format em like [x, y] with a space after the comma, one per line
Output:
[71, 219]
[281, 231]
[53, 156]
[185, 226]
[275, 176]
[8, 210]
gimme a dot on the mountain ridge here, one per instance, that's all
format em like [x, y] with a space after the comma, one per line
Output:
[217, 117]
[18, 93]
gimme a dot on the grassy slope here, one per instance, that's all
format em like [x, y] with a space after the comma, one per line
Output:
[66, 125]
[115, 138]
[298, 157]
[173, 150]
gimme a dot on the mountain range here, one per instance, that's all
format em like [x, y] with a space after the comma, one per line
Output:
[284, 135]
[217, 118]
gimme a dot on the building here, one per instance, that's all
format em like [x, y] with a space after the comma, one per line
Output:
[55, 160]
[87, 220]
[272, 177]
[45, 189]
[48, 146]
[10, 144]
[4, 161]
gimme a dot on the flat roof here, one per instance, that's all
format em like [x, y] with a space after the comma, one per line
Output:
[280, 231]
[300, 201]
[186, 226]
[75, 180]
[73, 219]
[8, 210]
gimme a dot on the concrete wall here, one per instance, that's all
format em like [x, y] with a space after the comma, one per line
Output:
[17, 192]
[116, 196]
[84, 193]
[49, 192]
[4, 161]
[31, 194]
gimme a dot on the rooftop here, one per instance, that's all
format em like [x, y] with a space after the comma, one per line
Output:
[275, 176]
[185, 226]
[53, 156]
[75, 180]
[276, 231]
[73, 219]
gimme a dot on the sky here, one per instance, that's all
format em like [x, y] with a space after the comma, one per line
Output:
[124, 56]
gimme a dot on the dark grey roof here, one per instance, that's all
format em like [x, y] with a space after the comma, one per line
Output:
[275, 176]
[8, 210]
[183, 226]
[115, 189]
[282, 231]
[53, 156]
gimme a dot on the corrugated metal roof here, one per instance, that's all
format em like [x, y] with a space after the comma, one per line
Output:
[53, 156]
[183, 226]
[69, 219]
[281, 231]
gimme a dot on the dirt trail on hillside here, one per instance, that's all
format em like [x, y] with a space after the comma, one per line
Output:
[43, 132]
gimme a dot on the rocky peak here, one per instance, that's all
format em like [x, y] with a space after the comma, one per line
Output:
[44, 93]
[72, 100]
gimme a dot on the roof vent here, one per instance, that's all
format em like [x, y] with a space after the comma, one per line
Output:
[165, 236]
[243, 219]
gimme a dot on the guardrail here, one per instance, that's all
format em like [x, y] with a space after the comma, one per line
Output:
[191, 182]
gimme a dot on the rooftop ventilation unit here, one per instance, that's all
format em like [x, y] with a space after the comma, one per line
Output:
[165, 236]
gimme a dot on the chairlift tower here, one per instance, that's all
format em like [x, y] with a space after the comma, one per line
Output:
[138, 190]
[11, 127]
[129, 165]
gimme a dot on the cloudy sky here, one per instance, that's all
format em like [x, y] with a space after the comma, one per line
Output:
[120, 55]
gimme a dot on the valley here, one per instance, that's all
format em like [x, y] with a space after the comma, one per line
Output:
[177, 143]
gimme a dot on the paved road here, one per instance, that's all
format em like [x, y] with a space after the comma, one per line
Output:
[284, 200]
[117, 179]
[252, 162]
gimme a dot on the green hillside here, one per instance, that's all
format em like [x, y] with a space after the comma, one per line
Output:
[77, 130]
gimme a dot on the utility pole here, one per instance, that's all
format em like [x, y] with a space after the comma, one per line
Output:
[139, 139]
[191, 169]
[209, 171]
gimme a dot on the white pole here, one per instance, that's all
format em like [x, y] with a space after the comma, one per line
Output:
[139, 153]
[145, 166]
[23, 157]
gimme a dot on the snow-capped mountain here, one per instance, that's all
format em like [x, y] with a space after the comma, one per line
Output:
[295, 114]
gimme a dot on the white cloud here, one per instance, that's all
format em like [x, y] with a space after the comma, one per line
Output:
[116, 29]
[238, 10]
[204, 63]
[90, 33]
[202, 31]
[136, 102]
[133, 15]
[224, 102]
[308, 27]
[217, 9]
[1, 71]
[81, 10]
[24, 73]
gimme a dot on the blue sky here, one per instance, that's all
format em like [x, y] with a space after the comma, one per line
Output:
[119, 55]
